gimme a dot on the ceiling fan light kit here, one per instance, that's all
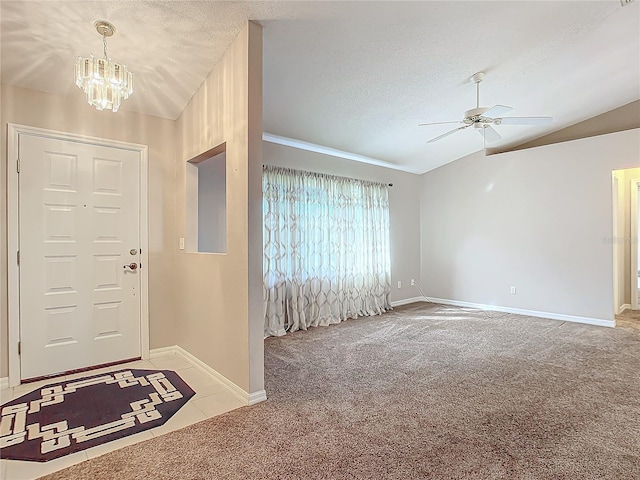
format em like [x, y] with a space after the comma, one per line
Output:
[483, 118]
[105, 83]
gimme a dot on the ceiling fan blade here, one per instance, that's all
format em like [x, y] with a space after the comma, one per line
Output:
[524, 120]
[489, 134]
[437, 123]
[496, 111]
[448, 133]
[484, 139]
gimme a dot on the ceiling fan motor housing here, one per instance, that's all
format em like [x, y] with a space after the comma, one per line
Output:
[475, 116]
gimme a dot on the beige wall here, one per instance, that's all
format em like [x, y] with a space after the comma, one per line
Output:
[74, 115]
[539, 219]
[219, 297]
[404, 206]
[623, 239]
[626, 117]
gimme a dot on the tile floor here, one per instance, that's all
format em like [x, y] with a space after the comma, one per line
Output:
[211, 399]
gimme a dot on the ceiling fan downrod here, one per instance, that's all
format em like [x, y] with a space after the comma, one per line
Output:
[474, 115]
[477, 78]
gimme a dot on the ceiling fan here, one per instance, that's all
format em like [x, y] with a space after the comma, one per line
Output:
[482, 118]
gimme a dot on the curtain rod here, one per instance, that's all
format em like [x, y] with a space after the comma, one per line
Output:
[265, 166]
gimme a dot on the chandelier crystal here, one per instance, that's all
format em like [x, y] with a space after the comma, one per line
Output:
[105, 82]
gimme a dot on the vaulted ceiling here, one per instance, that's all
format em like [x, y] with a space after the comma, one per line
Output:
[353, 76]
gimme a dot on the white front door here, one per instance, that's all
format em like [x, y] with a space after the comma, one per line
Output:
[79, 229]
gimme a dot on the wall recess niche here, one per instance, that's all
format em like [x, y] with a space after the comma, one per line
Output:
[206, 185]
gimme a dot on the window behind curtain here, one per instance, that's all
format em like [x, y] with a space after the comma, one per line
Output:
[326, 249]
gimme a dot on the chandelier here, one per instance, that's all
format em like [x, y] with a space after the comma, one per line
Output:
[105, 83]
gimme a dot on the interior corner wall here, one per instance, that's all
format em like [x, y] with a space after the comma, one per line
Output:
[539, 219]
[404, 206]
[219, 296]
[72, 114]
[254, 210]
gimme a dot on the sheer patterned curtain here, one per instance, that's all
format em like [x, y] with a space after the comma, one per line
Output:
[326, 249]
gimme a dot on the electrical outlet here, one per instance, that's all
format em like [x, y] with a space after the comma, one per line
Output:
[399, 284]
[413, 282]
[181, 243]
[513, 290]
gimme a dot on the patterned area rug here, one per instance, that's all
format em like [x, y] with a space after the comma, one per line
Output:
[74, 415]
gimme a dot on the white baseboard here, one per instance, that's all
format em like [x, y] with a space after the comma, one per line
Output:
[407, 301]
[531, 313]
[280, 333]
[624, 307]
[162, 351]
[235, 390]
[4, 382]
[256, 397]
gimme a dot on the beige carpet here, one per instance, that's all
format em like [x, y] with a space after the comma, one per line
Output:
[629, 319]
[423, 392]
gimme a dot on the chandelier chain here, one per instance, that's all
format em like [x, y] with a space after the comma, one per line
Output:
[104, 43]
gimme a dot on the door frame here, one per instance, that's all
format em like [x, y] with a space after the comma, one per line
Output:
[13, 241]
[615, 190]
[633, 240]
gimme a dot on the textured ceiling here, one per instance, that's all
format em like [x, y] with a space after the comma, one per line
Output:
[353, 76]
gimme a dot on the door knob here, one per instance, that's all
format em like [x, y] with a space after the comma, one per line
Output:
[132, 266]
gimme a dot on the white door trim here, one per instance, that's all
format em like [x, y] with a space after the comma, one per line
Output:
[615, 189]
[13, 133]
[633, 239]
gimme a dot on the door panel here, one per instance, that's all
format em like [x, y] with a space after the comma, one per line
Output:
[79, 217]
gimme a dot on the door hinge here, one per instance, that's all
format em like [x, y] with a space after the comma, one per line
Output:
[18, 165]
[18, 257]
[19, 348]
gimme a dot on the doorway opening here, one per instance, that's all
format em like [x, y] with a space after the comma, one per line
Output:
[626, 255]
[635, 244]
